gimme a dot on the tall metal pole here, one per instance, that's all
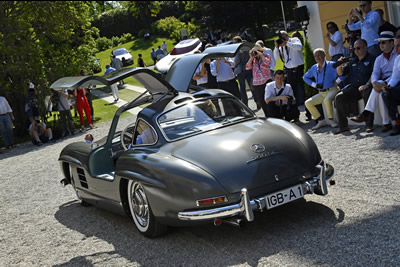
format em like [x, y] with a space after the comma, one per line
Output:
[283, 14]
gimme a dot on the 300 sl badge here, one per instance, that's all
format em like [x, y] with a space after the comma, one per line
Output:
[263, 155]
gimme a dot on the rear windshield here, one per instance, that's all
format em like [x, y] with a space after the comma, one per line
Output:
[120, 52]
[201, 116]
[185, 49]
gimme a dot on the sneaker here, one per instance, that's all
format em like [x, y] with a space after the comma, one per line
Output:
[39, 143]
[333, 124]
[82, 129]
[51, 140]
[320, 124]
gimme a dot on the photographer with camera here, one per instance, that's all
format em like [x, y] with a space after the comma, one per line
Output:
[321, 76]
[279, 98]
[359, 70]
[222, 69]
[61, 99]
[39, 133]
[369, 25]
[335, 39]
[259, 63]
[290, 51]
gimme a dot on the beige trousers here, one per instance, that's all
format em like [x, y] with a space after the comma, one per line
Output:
[322, 97]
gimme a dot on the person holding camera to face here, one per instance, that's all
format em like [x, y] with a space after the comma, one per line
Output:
[39, 133]
[321, 76]
[259, 63]
[279, 98]
[222, 68]
[368, 24]
[290, 51]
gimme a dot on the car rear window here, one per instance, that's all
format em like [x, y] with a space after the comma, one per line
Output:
[200, 116]
[120, 52]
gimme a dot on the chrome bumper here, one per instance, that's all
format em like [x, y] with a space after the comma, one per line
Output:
[246, 206]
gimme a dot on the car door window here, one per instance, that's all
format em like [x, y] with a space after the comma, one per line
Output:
[144, 134]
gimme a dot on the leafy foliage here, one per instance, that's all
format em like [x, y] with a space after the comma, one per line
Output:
[172, 26]
[308, 62]
[41, 42]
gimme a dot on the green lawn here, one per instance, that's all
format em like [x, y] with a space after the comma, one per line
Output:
[136, 47]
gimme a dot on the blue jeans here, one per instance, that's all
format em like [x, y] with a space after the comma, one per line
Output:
[6, 129]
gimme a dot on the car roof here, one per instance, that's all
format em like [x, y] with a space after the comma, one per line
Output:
[122, 48]
[187, 42]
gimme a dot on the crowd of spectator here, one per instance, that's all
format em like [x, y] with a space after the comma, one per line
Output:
[364, 69]
[367, 68]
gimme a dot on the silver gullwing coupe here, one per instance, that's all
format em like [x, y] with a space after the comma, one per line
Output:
[190, 155]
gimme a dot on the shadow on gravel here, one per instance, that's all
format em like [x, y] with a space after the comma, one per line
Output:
[302, 228]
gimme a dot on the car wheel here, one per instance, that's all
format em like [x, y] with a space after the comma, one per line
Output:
[141, 212]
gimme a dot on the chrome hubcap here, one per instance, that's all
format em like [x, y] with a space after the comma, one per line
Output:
[140, 205]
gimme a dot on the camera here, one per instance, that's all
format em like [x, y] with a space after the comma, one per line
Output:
[344, 60]
[280, 40]
[254, 53]
[289, 102]
[320, 86]
[37, 121]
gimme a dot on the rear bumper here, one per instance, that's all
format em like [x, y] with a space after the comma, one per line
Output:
[246, 206]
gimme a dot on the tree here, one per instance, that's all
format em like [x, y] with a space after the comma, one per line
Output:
[145, 11]
[41, 42]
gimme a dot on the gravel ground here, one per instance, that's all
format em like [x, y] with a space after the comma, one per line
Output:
[357, 223]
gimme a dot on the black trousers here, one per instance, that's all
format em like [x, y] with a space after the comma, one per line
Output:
[294, 77]
[259, 91]
[350, 96]
[230, 86]
[394, 101]
[66, 120]
[281, 112]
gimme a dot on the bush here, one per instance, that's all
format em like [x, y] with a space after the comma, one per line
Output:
[308, 62]
[172, 26]
[103, 43]
[115, 41]
[125, 38]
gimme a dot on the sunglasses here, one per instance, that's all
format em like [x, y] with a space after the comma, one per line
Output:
[382, 42]
[358, 47]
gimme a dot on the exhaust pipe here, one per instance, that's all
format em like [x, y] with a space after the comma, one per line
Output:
[64, 182]
[237, 222]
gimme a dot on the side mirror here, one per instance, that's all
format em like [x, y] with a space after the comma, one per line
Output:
[89, 138]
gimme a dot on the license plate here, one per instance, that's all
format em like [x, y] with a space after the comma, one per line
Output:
[284, 196]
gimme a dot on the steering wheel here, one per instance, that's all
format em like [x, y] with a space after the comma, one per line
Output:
[127, 135]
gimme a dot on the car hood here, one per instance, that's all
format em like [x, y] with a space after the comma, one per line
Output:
[126, 56]
[234, 155]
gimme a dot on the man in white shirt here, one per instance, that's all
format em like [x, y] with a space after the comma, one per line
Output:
[383, 68]
[392, 89]
[290, 51]
[222, 68]
[6, 117]
[279, 98]
[335, 39]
